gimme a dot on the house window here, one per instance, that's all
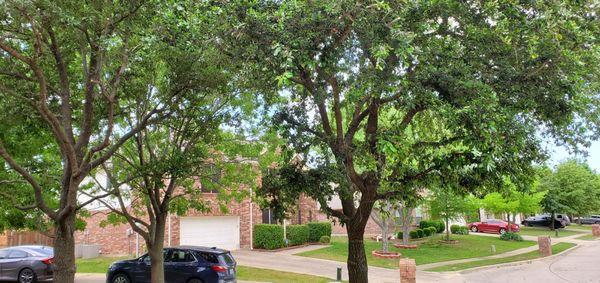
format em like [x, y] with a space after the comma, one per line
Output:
[267, 216]
[214, 175]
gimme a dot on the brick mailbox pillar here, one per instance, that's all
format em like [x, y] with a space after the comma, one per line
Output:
[408, 270]
[545, 246]
[596, 230]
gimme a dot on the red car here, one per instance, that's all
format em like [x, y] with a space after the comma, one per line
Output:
[492, 226]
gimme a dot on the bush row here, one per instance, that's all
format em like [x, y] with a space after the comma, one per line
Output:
[459, 230]
[270, 236]
[420, 233]
[438, 224]
[510, 236]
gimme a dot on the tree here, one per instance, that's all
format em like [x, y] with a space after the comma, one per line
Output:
[75, 70]
[446, 204]
[572, 188]
[383, 215]
[399, 93]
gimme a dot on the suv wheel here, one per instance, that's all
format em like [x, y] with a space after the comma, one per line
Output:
[474, 229]
[502, 230]
[120, 278]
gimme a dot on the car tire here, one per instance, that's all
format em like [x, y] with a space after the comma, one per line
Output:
[474, 229]
[120, 278]
[195, 280]
[502, 231]
[26, 276]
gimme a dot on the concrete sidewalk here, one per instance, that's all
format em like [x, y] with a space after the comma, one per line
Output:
[286, 261]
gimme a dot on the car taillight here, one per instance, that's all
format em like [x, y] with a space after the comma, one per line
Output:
[48, 261]
[218, 268]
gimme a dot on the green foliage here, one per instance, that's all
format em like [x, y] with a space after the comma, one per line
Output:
[318, 230]
[420, 233]
[414, 234]
[297, 234]
[459, 230]
[433, 230]
[268, 236]
[510, 236]
[572, 188]
[324, 240]
[437, 224]
[425, 224]
[399, 235]
[429, 231]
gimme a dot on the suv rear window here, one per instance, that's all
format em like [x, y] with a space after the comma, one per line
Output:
[227, 259]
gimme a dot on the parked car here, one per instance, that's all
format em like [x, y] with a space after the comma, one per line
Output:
[26, 264]
[593, 219]
[560, 221]
[185, 264]
[493, 226]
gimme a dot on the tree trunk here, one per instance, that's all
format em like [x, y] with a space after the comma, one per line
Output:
[64, 249]
[552, 221]
[155, 251]
[384, 235]
[509, 228]
[357, 259]
[447, 229]
[406, 219]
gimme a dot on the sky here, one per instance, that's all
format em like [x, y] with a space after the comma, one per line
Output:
[558, 154]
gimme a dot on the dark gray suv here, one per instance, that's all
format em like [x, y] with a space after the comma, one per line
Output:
[26, 264]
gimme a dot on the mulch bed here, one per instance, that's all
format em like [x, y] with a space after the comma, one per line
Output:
[382, 254]
[409, 246]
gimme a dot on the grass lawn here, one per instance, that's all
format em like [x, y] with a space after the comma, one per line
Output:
[557, 248]
[588, 237]
[579, 227]
[100, 265]
[541, 231]
[428, 252]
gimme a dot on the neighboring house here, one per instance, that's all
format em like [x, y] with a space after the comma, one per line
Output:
[231, 230]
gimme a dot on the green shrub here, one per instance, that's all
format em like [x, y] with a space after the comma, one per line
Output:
[325, 240]
[421, 233]
[297, 234]
[318, 230]
[268, 236]
[399, 235]
[432, 229]
[510, 236]
[439, 226]
[413, 234]
[427, 231]
[425, 224]
[459, 230]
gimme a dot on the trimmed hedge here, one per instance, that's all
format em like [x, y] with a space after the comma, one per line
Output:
[429, 231]
[268, 236]
[421, 233]
[511, 236]
[459, 230]
[414, 234]
[318, 230]
[297, 234]
[432, 229]
[399, 235]
[438, 224]
[324, 240]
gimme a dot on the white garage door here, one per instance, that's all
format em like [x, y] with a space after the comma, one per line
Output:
[211, 231]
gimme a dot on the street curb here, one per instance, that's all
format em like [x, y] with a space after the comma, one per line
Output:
[515, 263]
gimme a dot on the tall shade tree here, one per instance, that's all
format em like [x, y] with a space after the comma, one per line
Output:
[572, 188]
[75, 70]
[394, 92]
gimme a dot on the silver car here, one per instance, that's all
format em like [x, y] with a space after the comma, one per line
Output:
[26, 264]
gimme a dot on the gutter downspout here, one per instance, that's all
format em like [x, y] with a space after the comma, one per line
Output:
[251, 222]
[169, 224]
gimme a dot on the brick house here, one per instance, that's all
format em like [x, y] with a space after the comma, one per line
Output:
[230, 230]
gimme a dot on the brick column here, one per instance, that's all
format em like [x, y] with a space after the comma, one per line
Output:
[408, 270]
[545, 246]
[596, 230]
